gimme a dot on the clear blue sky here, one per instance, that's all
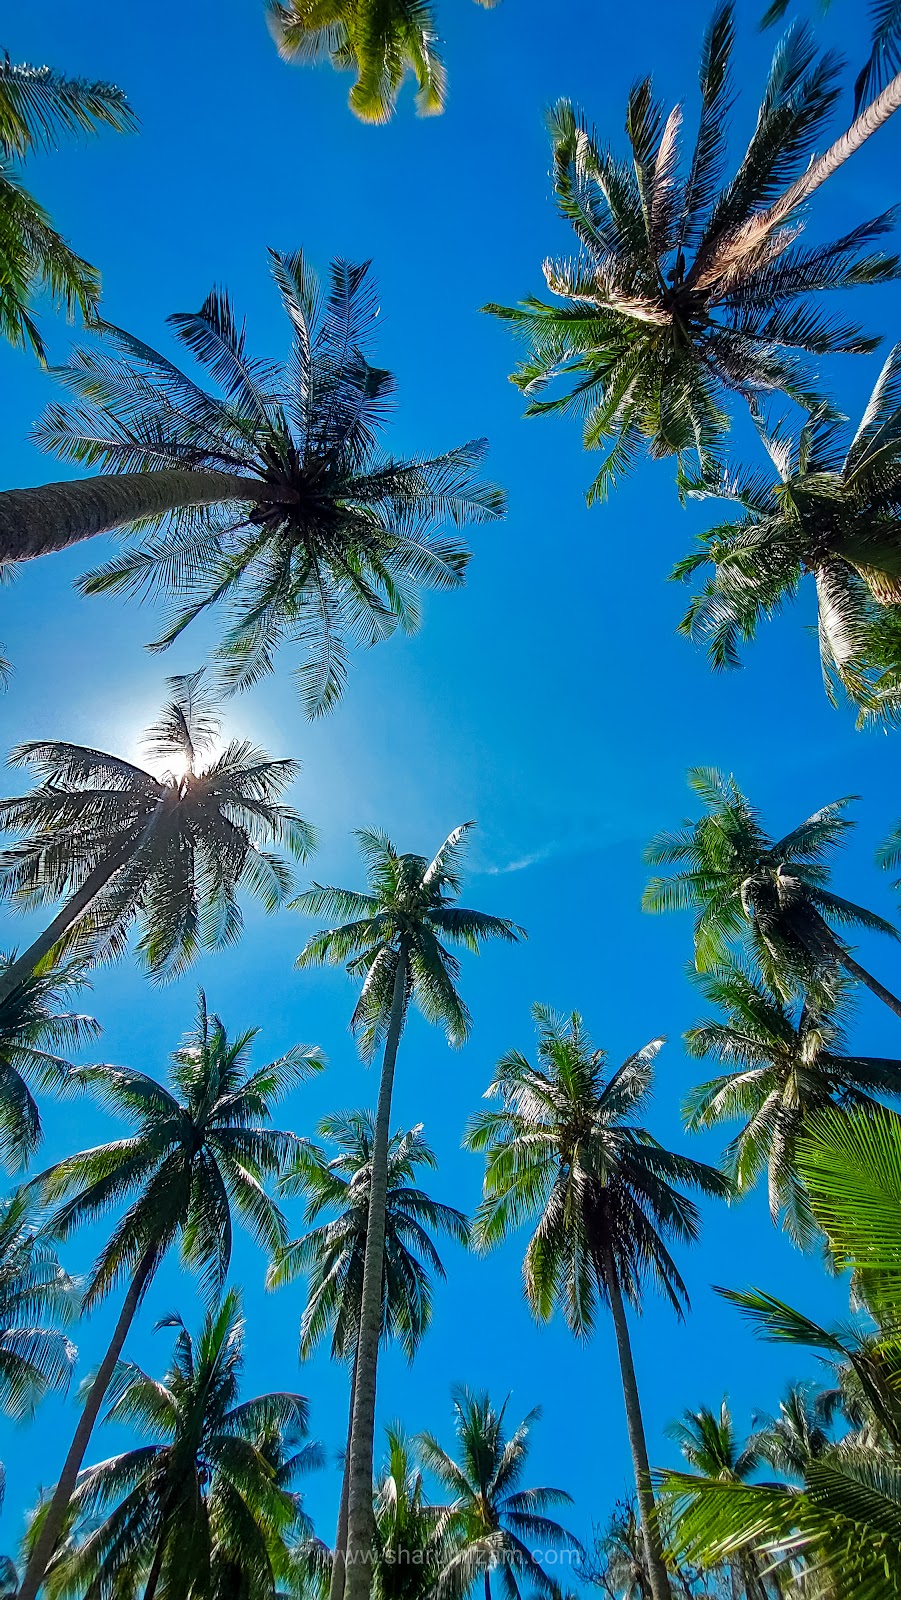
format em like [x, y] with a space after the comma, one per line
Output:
[551, 700]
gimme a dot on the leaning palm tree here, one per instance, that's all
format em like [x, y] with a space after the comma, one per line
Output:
[831, 513]
[332, 1255]
[38, 107]
[266, 498]
[33, 1032]
[35, 1295]
[202, 1495]
[772, 893]
[495, 1523]
[379, 42]
[786, 1063]
[395, 937]
[565, 1146]
[689, 288]
[169, 852]
[198, 1149]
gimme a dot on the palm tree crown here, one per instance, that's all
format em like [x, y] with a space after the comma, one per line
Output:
[743, 884]
[410, 910]
[412, 1536]
[688, 286]
[35, 1293]
[197, 1149]
[38, 107]
[167, 851]
[202, 1498]
[33, 1032]
[787, 1062]
[380, 43]
[333, 1253]
[833, 511]
[494, 1522]
[278, 506]
[565, 1145]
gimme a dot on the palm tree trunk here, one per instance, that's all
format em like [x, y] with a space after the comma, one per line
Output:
[35, 522]
[81, 902]
[360, 1519]
[153, 1576]
[487, 1586]
[756, 229]
[660, 1585]
[339, 1563]
[54, 1522]
[855, 970]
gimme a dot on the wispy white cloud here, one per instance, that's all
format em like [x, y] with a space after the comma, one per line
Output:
[522, 862]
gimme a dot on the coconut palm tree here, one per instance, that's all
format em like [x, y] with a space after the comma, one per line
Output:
[413, 1538]
[38, 107]
[201, 1497]
[198, 1150]
[833, 513]
[844, 1519]
[333, 1254]
[35, 1294]
[267, 498]
[796, 1435]
[565, 1146]
[772, 893]
[495, 1522]
[169, 852]
[395, 937]
[785, 1063]
[712, 1449]
[33, 1032]
[689, 288]
[380, 43]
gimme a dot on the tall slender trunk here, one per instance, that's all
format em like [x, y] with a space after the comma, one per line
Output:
[753, 233]
[660, 1585]
[855, 970]
[81, 901]
[487, 1586]
[35, 522]
[336, 1584]
[156, 1569]
[360, 1519]
[54, 1522]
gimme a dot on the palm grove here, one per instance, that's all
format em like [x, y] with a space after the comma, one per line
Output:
[261, 493]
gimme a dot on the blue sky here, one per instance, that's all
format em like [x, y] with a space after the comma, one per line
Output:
[551, 700]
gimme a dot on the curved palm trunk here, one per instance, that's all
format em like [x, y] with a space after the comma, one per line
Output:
[54, 1522]
[80, 903]
[339, 1563]
[155, 1573]
[660, 1585]
[855, 970]
[752, 235]
[360, 1519]
[35, 522]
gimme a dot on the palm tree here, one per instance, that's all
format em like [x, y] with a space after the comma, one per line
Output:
[565, 1145]
[333, 1254]
[844, 1519]
[688, 288]
[796, 1436]
[413, 1538]
[708, 1441]
[743, 884]
[275, 501]
[197, 1150]
[494, 1521]
[395, 939]
[786, 1062]
[33, 1030]
[169, 852]
[202, 1496]
[380, 43]
[830, 513]
[35, 1294]
[38, 107]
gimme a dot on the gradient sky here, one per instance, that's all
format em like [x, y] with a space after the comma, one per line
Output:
[551, 700]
